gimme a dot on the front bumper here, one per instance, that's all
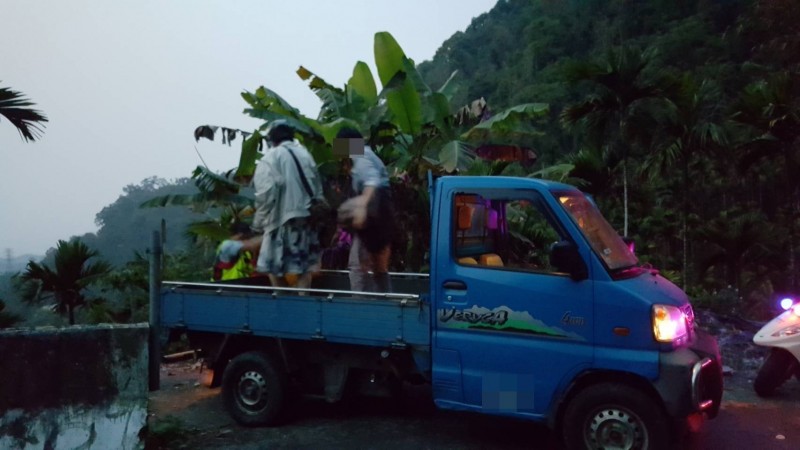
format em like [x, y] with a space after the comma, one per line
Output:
[691, 378]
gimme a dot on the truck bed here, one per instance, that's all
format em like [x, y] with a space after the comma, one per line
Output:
[330, 312]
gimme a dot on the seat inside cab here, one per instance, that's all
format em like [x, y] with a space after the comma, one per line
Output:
[477, 231]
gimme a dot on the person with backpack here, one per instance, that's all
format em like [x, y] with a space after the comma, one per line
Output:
[287, 184]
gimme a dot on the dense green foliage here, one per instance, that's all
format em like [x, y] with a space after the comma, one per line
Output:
[681, 118]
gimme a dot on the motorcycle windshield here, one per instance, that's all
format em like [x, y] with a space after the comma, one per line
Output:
[602, 237]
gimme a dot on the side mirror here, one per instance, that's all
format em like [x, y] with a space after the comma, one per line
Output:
[564, 257]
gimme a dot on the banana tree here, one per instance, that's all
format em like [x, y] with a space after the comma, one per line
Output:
[218, 193]
[411, 126]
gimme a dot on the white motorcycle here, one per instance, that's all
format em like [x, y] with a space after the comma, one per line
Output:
[783, 335]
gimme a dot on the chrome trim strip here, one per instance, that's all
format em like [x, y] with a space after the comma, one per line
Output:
[219, 288]
[699, 403]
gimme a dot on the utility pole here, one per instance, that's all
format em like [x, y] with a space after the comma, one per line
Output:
[9, 256]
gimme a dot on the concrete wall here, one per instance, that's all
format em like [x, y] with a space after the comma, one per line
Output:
[81, 387]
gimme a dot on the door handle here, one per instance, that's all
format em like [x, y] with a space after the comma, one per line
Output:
[456, 285]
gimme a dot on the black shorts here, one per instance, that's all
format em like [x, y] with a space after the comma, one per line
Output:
[379, 228]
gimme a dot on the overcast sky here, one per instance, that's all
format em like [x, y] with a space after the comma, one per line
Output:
[125, 83]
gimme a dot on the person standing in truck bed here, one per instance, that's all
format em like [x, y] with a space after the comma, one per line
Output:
[290, 246]
[371, 216]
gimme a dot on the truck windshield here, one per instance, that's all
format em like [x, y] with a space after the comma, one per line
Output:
[601, 236]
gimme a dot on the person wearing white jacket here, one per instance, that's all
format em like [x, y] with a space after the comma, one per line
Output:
[289, 245]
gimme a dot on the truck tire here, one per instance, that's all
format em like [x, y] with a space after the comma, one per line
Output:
[777, 368]
[254, 389]
[611, 415]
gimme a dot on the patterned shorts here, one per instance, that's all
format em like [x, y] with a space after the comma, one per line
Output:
[291, 248]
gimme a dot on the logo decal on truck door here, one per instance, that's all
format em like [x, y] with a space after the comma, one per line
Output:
[503, 319]
[569, 319]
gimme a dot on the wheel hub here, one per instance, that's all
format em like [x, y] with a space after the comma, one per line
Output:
[252, 388]
[616, 429]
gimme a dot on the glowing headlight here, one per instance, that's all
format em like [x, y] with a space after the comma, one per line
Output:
[669, 323]
[788, 331]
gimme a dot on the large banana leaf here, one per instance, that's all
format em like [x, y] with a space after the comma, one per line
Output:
[512, 121]
[456, 155]
[328, 130]
[403, 101]
[334, 101]
[298, 123]
[215, 190]
[363, 84]
[560, 173]
[449, 87]
[267, 99]
[248, 157]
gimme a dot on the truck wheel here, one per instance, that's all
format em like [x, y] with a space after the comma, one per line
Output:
[615, 416]
[254, 389]
[777, 368]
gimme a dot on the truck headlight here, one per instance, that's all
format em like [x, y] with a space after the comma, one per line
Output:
[669, 323]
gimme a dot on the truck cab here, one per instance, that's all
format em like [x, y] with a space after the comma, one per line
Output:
[540, 310]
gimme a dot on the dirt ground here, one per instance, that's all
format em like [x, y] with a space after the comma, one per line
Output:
[200, 421]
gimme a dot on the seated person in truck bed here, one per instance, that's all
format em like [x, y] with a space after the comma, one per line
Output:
[236, 256]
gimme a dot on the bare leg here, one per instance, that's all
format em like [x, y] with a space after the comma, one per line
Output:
[359, 264]
[380, 267]
[304, 282]
[277, 281]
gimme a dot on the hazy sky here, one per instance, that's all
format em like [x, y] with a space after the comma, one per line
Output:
[125, 83]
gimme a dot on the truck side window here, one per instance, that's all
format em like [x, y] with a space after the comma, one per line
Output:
[503, 229]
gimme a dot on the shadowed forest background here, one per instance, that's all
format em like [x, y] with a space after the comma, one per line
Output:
[684, 114]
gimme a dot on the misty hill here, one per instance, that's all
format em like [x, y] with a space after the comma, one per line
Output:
[125, 228]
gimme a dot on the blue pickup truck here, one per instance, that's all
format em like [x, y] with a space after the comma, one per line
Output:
[534, 308]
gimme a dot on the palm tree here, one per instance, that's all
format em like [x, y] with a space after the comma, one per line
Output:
[16, 109]
[65, 284]
[770, 109]
[694, 124]
[612, 114]
[736, 242]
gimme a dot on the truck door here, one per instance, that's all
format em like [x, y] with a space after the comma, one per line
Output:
[511, 323]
